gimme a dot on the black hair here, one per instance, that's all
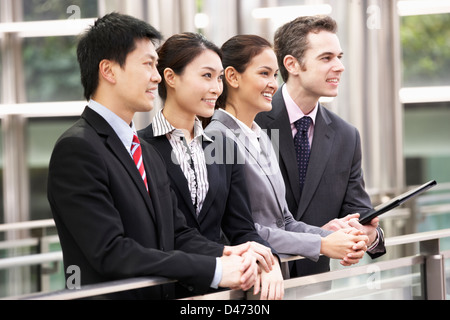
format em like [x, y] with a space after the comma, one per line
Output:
[238, 52]
[180, 50]
[112, 37]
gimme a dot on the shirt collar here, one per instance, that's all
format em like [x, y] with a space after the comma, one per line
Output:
[255, 130]
[294, 111]
[162, 127]
[124, 131]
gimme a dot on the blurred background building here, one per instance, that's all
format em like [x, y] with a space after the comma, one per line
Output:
[396, 91]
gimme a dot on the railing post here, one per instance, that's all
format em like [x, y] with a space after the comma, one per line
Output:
[433, 276]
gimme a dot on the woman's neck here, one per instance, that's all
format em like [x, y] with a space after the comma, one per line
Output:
[180, 119]
[245, 116]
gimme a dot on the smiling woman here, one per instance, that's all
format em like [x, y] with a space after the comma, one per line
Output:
[192, 72]
[211, 194]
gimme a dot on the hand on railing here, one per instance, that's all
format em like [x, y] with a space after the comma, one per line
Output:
[351, 221]
[348, 245]
[238, 272]
[270, 284]
[268, 278]
[262, 254]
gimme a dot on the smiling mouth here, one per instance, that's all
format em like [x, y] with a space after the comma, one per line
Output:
[211, 102]
[333, 81]
[268, 96]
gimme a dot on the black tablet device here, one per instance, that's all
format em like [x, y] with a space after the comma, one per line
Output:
[367, 216]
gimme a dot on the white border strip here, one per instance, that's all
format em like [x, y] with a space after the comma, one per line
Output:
[416, 7]
[424, 94]
[49, 28]
[45, 109]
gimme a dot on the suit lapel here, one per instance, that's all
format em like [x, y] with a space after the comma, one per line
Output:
[240, 138]
[178, 178]
[116, 146]
[320, 153]
[213, 180]
[286, 148]
[176, 175]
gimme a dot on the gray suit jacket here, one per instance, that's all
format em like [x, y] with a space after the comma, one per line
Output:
[266, 189]
[334, 185]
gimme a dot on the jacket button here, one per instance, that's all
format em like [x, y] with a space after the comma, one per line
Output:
[280, 223]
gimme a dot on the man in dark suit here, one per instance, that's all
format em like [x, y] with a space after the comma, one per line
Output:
[118, 218]
[309, 56]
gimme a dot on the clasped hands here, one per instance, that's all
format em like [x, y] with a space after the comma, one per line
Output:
[350, 239]
[252, 265]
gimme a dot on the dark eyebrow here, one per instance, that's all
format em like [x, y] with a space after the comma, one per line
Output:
[268, 68]
[152, 57]
[330, 54]
[212, 69]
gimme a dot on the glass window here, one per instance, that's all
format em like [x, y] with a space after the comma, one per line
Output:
[41, 136]
[3, 275]
[1, 179]
[426, 50]
[1, 71]
[34, 10]
[426, 142]
[51, 69]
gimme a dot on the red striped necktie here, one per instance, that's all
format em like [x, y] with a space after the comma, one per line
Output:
[136, 152]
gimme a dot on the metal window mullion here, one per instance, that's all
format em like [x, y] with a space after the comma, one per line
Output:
[16, 190]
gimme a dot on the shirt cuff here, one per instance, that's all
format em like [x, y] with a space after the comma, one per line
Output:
[217, 274]
[376, 242]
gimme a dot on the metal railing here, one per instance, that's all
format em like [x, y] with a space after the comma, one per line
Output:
[43, 241]
[430, 258]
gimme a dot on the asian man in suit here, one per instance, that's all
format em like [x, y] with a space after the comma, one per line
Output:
[309, 56]
[118, 218]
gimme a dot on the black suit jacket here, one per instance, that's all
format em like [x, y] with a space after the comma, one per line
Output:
[334, 185]
[108, 224]
[226, 207]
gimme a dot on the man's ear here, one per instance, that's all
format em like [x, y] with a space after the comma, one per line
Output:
[169, 77]
[107, 70]
[232, 77]
[291, 64]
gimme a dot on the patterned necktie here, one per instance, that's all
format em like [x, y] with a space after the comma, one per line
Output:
[302, 148]
[136, 152]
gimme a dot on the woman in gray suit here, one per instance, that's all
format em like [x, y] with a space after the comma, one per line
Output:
[251, 81]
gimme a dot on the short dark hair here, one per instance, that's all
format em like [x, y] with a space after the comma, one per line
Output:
[238, 52]
[292, 38]
[112, 37]
[180, 50]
